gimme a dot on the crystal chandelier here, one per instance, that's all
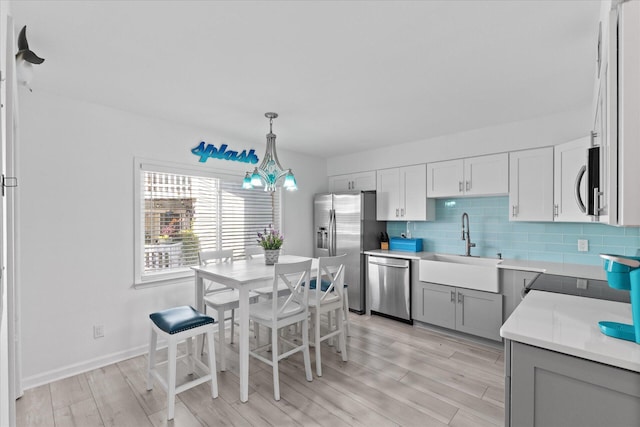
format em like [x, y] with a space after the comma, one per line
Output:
[270, 173]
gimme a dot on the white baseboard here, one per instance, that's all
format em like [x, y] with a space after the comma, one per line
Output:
[85, 366]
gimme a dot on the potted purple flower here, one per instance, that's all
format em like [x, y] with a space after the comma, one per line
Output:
[271, 241]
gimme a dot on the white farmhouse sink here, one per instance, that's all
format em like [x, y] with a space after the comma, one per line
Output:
[461, 271]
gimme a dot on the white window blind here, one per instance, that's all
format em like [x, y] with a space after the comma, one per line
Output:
[182, 213]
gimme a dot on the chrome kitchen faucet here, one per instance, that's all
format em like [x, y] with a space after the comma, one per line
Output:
[465, 235]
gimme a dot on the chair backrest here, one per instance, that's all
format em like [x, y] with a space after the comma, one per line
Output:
[214, 257]
[330, 279]
[252, 252]
[295, 276]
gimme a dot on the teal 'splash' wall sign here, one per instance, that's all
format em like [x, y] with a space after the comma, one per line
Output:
[209, 151]
[492, 232]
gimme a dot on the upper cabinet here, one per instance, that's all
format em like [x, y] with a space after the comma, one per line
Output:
[570, 181]
[362, 181]
[402, 195]
[531, 185]
[473, 176]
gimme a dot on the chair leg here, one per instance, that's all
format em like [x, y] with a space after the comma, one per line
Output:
[212, 364]
[274, 361]
[233, 323]
[222, 342]
[342, 336]
[346, 313]
[171, 379]
[190, 356]
[330, 327]
[153, 341]
[305, 349]
[316, 340]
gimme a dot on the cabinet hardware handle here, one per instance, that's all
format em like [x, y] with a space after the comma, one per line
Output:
[556, 209]
[460, 298]
[513, 211]
[460, 186]
[596, 201]
[467, 185]
[453, 296]
[401, 211]
[397, 212]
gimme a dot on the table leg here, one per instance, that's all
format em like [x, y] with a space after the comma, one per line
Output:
[243, 310]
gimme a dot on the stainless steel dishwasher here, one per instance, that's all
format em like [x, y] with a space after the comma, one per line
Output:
[389, 287]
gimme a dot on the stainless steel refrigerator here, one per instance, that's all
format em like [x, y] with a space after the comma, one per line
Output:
[345, 223]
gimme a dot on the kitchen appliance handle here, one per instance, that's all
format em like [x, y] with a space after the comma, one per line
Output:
[332, 232]
[579, 178]
[388, 265]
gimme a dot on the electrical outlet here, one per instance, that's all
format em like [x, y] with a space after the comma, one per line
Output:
[582, 283]
[98, 331]
[583, 245]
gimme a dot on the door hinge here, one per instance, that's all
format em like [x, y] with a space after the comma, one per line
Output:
[8, 182]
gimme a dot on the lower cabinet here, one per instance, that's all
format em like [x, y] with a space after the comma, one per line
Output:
[546, 388]
[465, 310]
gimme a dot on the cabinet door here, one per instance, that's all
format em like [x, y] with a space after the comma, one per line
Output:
[554, 389]
[569, 160]
[435, 304]
[445, 179]
[388, 194]
[363, 181]
[339, 183]
[486, 175]
[531, 185]
[413, 193]
[479, 313]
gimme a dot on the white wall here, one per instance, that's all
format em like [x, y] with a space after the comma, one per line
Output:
[540, 132]
[76, 228]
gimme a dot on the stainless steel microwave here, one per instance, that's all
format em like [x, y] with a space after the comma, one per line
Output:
[592, 173]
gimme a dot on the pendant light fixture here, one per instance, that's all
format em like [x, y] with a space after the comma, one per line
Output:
[270, 174]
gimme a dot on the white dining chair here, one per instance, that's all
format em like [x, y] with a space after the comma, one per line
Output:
[221, 299]
[280, 312]
[255, 253]
[327, 296]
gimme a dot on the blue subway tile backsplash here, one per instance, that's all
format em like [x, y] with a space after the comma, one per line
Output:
[492, 232]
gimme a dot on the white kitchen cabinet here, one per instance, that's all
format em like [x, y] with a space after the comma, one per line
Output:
[402, 195]
[473, 176]
[362, 181]
[531, 185]
[465, 310]
[570, 179]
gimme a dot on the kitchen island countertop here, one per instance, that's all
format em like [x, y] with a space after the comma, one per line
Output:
[569, 324]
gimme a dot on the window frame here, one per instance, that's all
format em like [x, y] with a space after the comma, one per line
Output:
[142, 280]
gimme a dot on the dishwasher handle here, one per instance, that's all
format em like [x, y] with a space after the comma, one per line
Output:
[389, 262]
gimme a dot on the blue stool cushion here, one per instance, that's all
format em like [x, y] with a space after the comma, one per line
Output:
[324, 285]
[178, 319]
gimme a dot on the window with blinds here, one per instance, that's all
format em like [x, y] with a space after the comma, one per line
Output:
[183, 213]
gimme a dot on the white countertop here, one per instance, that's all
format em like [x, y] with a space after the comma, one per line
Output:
[569, 324]
[575, 270]
[398, 254]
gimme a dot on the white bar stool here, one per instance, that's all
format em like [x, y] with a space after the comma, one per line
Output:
[176, 325]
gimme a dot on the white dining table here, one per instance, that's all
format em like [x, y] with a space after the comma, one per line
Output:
[244, 276]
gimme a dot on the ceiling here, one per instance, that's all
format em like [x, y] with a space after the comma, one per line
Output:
[344, 76]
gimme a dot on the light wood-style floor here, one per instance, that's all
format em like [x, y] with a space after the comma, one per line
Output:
[397, 375]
